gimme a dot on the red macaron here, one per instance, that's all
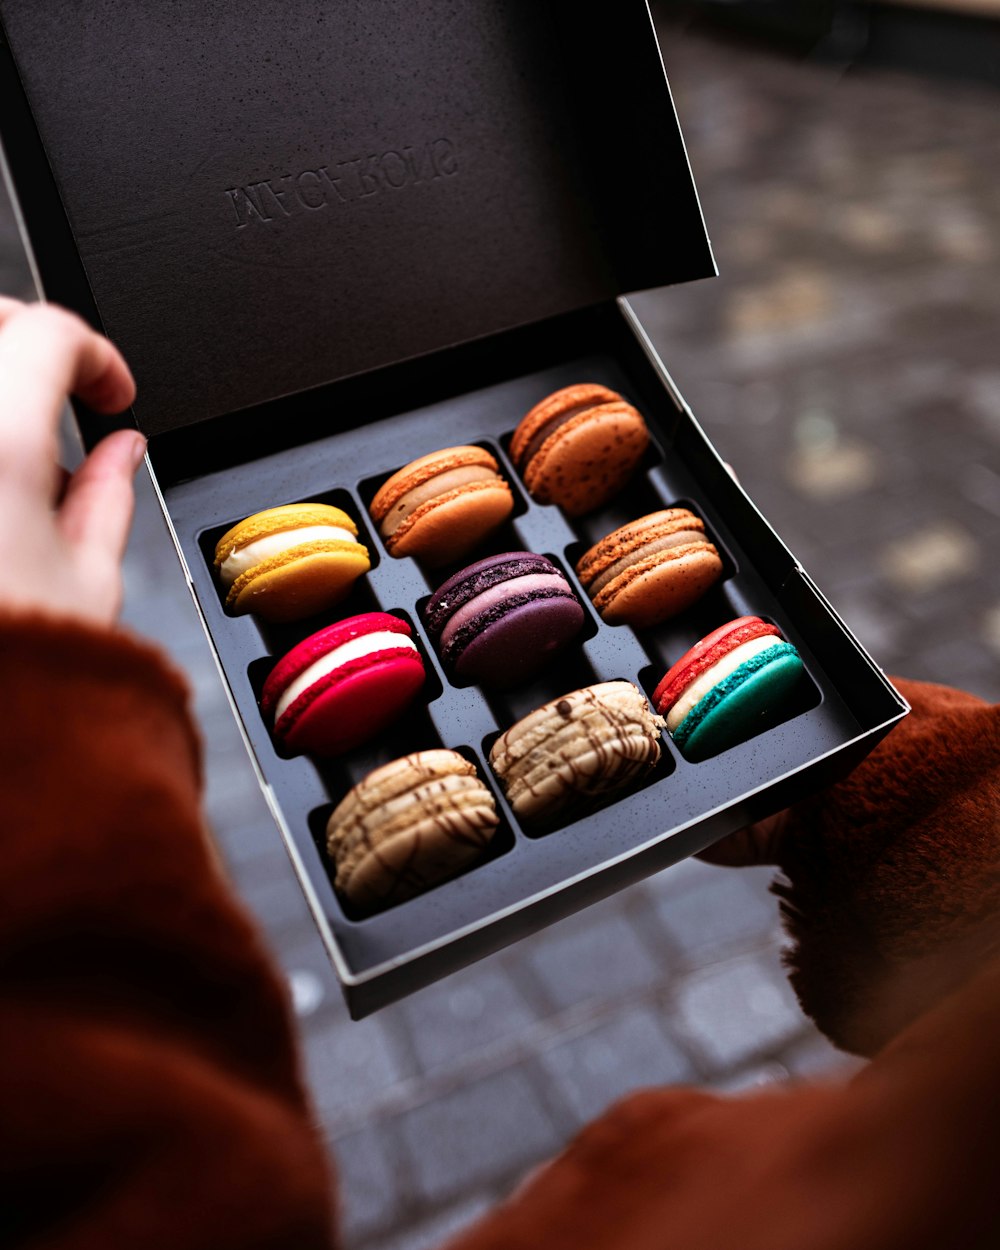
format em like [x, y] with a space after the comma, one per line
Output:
[343, 685]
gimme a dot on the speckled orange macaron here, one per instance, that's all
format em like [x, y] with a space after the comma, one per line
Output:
[578, 447]
[650, 569]
[440, 507]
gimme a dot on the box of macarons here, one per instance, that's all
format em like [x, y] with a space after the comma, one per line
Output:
[502, 633]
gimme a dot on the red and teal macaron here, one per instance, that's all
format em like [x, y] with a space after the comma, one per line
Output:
[728, 687]
[499, 621]
[343, 685]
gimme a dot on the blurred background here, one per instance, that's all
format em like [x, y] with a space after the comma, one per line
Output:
[846, 364]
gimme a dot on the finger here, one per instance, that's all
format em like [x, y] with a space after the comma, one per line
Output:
[76, 359]
[9, 306]
[46, 354]
[97, 511]
[759, 843]
[61, 479]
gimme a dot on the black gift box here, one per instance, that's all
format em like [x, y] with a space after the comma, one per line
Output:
[333, 238]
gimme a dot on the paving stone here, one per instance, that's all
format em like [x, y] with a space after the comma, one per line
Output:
[727, 909]
[476, 1137]
[981, 485]
[991, 629]
[275, 895]
[967, 660]
[747, 1080]
[630, 1052]
[961, 662]
[876, 627]
[244, 834]
[681, 879]
[308, 957]
[244, 829]
[585, 959]
[431, 1232]
[369, 1188]
[980, 391]
[308, 993]
[931, 557]
[157, 602]
[464, 1014]
[839, 469]
[813, 1057]
[734, 1010]
[350, 1064]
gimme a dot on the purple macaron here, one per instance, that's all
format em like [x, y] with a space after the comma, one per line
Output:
[499, 621]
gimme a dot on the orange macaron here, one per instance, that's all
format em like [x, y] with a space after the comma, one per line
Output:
[578, 447]
[650, 569]
[440, 507]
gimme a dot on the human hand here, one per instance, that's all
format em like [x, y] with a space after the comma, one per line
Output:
[759, 843]
[62, 537]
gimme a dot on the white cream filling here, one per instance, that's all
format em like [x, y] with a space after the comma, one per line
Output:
[711, 676]
[347, 651]
[243, 558]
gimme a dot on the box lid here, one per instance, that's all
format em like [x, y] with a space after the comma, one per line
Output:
[267, 199]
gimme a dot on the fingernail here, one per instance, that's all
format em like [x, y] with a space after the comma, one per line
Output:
[138, 451]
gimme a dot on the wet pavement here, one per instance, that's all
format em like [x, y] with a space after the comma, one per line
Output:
[846, 364]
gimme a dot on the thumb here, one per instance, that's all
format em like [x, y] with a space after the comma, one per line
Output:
[96, 511]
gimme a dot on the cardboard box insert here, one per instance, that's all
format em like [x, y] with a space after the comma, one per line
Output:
[529, 877]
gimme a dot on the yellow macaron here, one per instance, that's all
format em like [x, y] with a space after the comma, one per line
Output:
[290, 562]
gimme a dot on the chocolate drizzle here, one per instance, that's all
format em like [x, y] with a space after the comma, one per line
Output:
[409, 825]
[605, 737]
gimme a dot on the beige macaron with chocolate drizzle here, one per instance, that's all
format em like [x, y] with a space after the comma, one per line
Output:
[290, 562]
[407, 826]
[440, 507]
[578, 446]
[576, 749]
[650, 569]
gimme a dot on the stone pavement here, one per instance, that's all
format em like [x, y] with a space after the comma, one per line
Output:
[846, 365]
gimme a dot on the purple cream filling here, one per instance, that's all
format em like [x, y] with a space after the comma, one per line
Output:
[471, 581]
[496, 595]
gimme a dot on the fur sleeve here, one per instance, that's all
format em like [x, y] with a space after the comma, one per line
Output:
[150, 1094]
[892, 875]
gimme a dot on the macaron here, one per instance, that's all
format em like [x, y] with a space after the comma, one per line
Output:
[343, 685]
[287, 563]
[650, 569]
[728, 687]
[578, 446]
[440, 507]
[409, 825]
[499, 621]
[577, 749]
